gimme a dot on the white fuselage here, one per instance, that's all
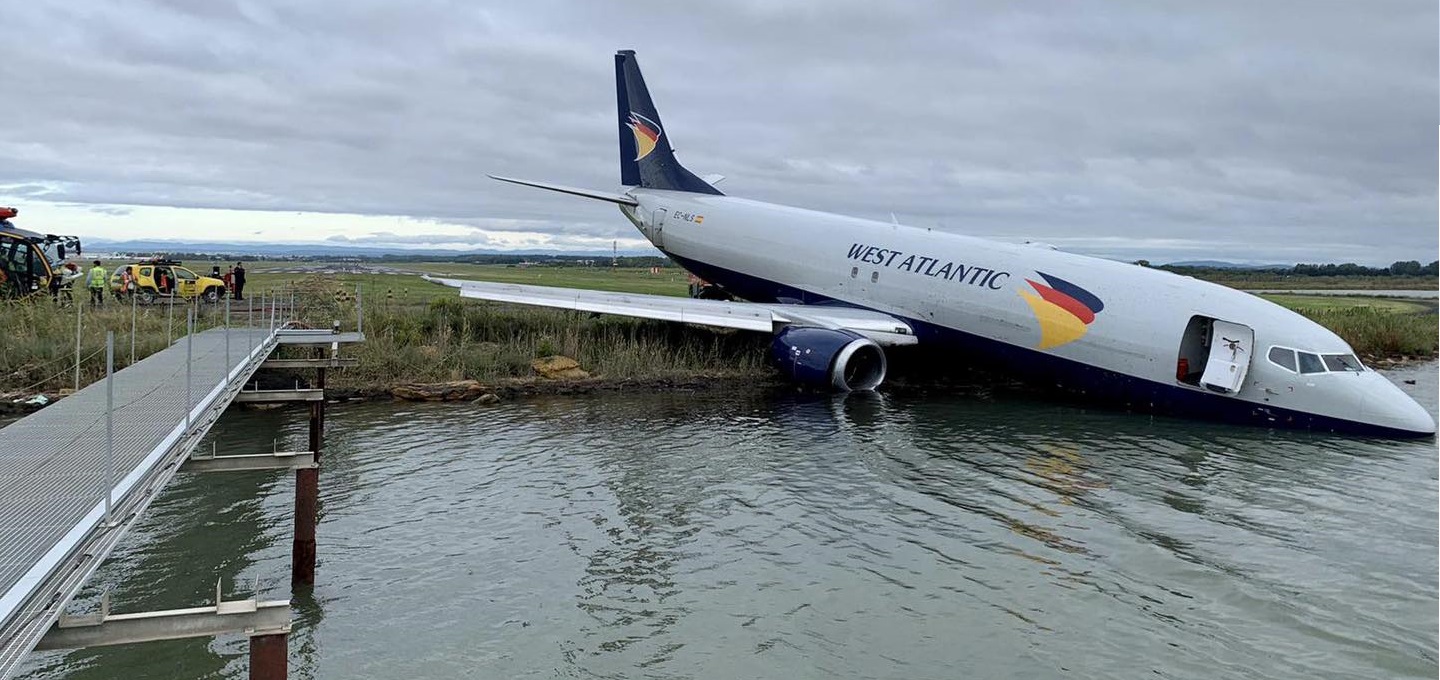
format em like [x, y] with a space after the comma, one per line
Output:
[974, 286]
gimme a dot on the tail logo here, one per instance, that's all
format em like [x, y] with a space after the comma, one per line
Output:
[647, 134]
[1063, 309]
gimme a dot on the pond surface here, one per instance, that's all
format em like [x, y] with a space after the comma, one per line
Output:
[755, 535]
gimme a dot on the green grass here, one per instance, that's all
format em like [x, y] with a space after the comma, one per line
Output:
[423, 333]
[408, 287]
[454, 339]
[37, 344]
[1377, 334]
[1307, 303]
[1377, 328]
[1257, 281]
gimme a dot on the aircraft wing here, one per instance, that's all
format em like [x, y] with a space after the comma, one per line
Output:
[750, 316]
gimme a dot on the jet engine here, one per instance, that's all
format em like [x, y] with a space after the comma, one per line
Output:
[825, 357]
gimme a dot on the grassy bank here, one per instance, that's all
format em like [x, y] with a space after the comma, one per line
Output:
[1377, 328]
[37, 343]
[1376, 334]
[421, 332]
[452, 339]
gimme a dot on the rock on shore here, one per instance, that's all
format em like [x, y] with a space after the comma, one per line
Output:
[458, 390]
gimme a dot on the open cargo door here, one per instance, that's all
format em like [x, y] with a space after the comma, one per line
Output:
[1231, 345]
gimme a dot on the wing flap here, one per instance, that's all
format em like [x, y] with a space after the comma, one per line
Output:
[750, 316]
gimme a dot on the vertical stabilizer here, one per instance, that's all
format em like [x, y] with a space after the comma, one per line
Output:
[646, 159]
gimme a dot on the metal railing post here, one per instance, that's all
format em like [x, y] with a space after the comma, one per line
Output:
[169, 322]
[77, 342]
[109, 423]
[132, 327]
[228, 366]
[359, 312]
[189, 363]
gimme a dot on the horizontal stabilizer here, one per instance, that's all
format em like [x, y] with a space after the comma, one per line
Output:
[622, 199]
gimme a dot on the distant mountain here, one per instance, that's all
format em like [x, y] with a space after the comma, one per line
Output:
[323, 250]
[1221, 264]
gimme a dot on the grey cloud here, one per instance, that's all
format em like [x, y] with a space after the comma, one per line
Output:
[1301, 130]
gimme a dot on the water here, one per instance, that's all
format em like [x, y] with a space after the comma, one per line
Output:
[674, 536]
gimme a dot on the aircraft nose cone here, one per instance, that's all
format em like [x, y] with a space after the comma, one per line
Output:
[1387, 405]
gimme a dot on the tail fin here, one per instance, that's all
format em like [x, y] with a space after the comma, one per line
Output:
[646, 159]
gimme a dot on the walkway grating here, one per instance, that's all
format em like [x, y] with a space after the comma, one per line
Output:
[53, 471]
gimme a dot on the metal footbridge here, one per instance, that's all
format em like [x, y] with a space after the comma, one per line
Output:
[76, 475]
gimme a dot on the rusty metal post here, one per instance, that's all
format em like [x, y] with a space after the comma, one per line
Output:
[307, 492]
[307, 499]
[269, 656]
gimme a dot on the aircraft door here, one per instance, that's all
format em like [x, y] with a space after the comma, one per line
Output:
[1231, 347]
[659, 230]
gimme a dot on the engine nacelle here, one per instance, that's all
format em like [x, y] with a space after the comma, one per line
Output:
[826, 357]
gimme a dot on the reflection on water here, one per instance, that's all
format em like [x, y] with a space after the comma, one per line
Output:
[751, 535]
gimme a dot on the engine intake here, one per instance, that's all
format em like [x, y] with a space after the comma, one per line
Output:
[827, 357]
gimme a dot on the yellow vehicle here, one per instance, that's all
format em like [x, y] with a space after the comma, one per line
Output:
[30, 262]
[158, 279]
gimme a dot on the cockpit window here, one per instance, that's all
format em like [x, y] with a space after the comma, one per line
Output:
[1343, 362]
[1282, 357]
[1310, 363]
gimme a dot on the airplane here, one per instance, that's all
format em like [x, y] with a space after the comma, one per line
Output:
[836, 291]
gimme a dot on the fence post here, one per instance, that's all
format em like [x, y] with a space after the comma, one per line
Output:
[109, 423]
[78, 305]
[228, 366]
[189, 361]
[359, 312]
[169, 321]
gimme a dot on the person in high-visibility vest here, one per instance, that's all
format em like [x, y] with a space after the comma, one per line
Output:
[95, 281]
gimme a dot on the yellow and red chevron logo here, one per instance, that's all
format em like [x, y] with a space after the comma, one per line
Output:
[1064, 310]
[647, 134]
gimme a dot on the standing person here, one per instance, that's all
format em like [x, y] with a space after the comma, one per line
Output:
[229, 279]
[95, 281]
[127, 284]
[239, 280]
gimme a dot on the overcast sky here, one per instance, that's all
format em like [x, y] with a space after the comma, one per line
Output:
[1250, 131]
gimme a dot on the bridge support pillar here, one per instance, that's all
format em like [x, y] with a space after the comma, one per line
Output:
[307, 498]
[269, 656]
